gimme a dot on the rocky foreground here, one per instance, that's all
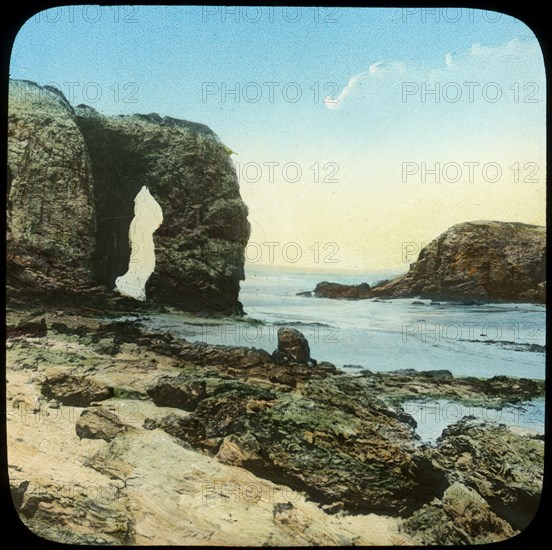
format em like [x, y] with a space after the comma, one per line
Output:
[481, 261]
[121, 435]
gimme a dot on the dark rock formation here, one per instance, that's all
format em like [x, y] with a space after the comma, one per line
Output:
[178, 392]
[461, 517]
[35, 329]
[470, 262]
[334, 440]
[98, 423]
[342, 292]
[73, 176]
[484, 260]
[50, 197]
[200, 245]
[62, 328]
[497, 392]
[505, 468]
[292, 347]
[440, 373]
[70, 390]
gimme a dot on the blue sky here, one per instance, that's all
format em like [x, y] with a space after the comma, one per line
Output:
[381, 66]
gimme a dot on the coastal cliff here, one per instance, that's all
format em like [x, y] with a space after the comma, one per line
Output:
[51, 216]
[73, 176]
[481, 261]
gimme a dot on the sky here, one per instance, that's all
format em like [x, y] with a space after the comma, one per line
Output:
[359, 134]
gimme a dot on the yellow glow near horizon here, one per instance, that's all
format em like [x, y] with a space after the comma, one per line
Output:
[370, 225]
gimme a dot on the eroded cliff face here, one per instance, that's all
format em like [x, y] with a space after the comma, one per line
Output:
[200, 245]
[74, 176]
[50, 203]
[487, 260]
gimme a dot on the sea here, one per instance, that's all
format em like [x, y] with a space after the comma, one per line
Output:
[381, 335]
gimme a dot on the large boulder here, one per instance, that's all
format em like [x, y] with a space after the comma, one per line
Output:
[483, 260]
[178, 392]
[74, 390]
[293, 347]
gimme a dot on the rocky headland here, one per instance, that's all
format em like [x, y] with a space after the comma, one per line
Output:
[73, 175]
[473, 261]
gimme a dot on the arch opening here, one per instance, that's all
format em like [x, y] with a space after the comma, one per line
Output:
[148, 216]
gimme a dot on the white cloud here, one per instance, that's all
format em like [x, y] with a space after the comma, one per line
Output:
[519, 60]
[377, 71]
[335, 103]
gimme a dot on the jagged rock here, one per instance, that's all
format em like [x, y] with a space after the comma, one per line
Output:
[73, 175]
[292, 347]
[78, 392]
[505, 468]
[342, 292]
[98, 423]
[461, 517]
[483, 260]
[177, 392]
[336, 441]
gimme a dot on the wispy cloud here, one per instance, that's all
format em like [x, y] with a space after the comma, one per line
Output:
[519, 60]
